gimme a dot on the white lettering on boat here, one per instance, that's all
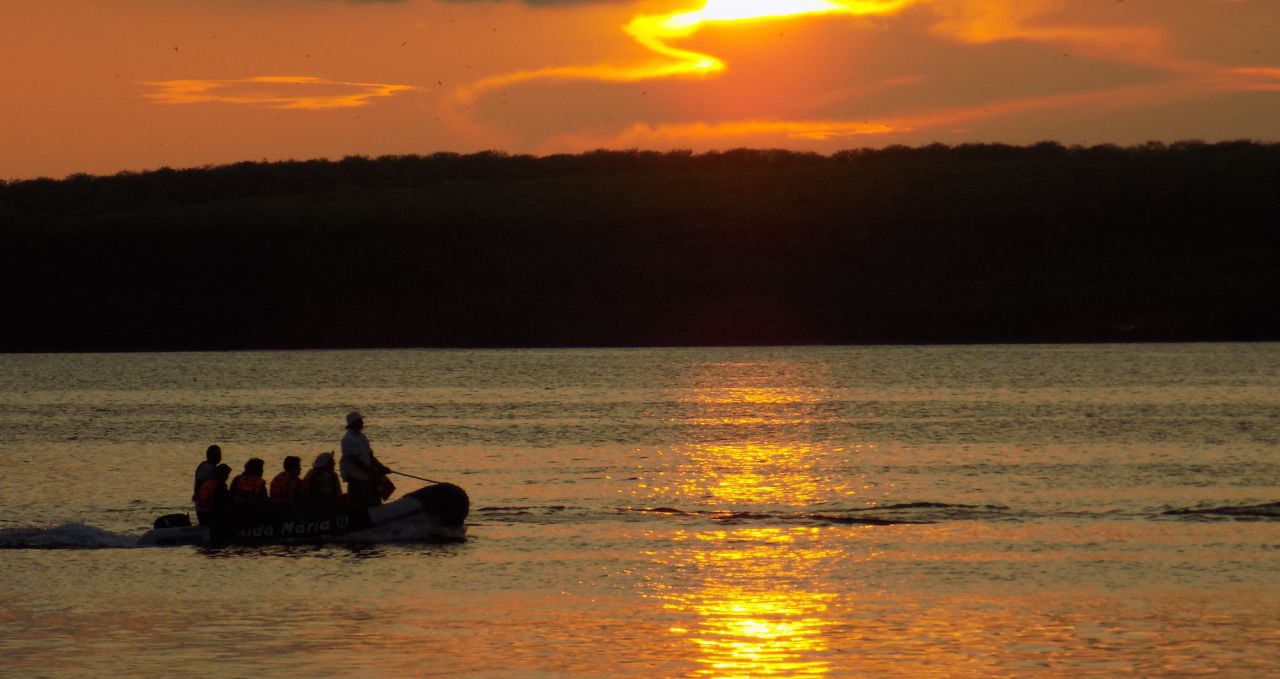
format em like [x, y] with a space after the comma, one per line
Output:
[296, 528]
[305, 527]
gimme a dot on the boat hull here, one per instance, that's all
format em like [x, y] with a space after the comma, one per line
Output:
[432, 514]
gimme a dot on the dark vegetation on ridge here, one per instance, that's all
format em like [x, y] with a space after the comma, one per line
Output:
[980, 243]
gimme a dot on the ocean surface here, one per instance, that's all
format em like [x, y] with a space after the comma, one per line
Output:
[967, 511]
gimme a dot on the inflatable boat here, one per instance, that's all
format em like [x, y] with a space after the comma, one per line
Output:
[436, 513]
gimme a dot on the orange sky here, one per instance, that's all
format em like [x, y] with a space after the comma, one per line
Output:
[102, 86]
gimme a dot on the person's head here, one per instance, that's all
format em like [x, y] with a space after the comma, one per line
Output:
[323, 461]
[254, 467]
[222, 471]
[213, 454]
[355, 420]
[293, 464]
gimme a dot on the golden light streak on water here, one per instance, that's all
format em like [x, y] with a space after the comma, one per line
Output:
[752, 474]
[756, 395]
[751, 619]
[758, 471]
[751, 607]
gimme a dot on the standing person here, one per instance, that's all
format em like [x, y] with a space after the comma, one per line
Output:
[249, 492]
[321, 491]
[360, 469]
[212, 497]
[285, 494]
[205, 470]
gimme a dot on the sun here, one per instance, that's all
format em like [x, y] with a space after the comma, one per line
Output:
[656, 32]
[737, 10]
[661, 33]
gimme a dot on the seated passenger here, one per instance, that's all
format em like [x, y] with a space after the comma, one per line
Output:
[204, 471]
[248, 493]
[321, 491]
[285, 488]
[213, 497]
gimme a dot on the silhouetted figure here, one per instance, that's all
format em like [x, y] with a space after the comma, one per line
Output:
[286, 495]
[248, 493]
[204, 470]
[321, 491]
[213, 498]
[360, 469]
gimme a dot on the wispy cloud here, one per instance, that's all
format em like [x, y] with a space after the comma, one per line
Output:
[989, 21]
[724, 134]
[280, 92]
[1253, 79]
[734, 132]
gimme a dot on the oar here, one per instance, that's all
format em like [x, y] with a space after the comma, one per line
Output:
[414, 477]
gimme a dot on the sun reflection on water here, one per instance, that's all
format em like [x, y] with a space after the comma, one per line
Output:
[754, 395]
[750, 601]
[750, 617]
[753, 474]
[759, 419]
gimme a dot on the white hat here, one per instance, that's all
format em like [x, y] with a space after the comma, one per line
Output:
[353, 417]
[323, 460]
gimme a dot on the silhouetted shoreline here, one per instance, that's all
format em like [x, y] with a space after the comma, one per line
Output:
[979, 243]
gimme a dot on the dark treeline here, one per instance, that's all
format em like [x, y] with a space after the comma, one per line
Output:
[978, 243]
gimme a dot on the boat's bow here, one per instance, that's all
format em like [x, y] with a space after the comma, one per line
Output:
[444, 500]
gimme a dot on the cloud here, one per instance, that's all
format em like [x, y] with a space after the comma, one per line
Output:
[531, 3]
[668, 134]
[963, 21]
[1044, 26]
[814, 133]
[988, 21]
[280, 92]
[1260, 79]
[658, 32]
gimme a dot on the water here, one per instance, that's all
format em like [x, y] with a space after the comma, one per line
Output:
[900, 511]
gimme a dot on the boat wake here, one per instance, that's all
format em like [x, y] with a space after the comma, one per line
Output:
[66, 536]
[1247, 512]
[883, 515]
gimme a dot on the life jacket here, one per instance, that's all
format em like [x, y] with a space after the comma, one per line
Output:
[320, 482]
[206, 495]
[280, 495]
[248, 491]
[204, 472]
